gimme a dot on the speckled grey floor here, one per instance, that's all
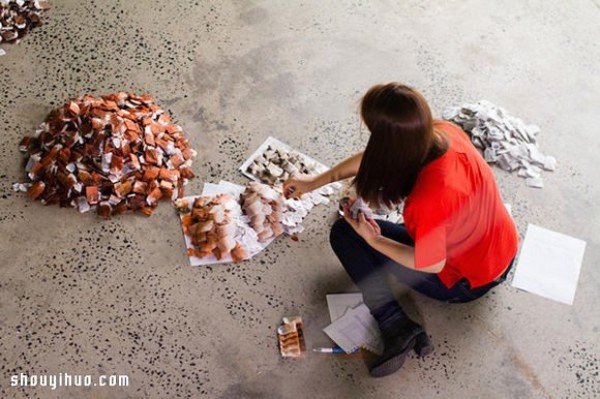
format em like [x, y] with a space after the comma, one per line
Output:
[82, 295]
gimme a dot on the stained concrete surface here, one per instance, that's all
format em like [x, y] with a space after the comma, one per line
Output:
[82, 295]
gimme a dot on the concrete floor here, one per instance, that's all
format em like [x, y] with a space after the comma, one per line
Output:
[82, 295]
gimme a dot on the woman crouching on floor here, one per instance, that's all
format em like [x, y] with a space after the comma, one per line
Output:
[457, 241]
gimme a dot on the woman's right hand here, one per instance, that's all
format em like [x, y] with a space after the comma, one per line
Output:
[297, 185]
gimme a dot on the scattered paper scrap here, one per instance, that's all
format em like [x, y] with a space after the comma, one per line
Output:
[549, 264]
[393, 215]
[360, 206]
[17, 17]
[291, 337]
[2, 52]
[113, 154]
[504, 140]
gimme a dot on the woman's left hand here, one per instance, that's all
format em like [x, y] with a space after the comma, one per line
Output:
[368, 229]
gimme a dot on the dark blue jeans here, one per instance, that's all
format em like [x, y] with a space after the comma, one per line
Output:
[369, 268]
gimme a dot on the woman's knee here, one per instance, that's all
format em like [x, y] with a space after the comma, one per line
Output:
[340, 230]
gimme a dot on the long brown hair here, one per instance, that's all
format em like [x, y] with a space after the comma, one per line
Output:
[402, 141]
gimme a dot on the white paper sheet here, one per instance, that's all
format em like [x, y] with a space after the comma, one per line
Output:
[339, 304]
[356, 329]
[549, 264]
[224, 187]
[234, 189]
[212, 189]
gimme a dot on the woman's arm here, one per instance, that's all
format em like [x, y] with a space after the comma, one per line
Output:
[343, 170]
[369, 230]
[297, 185]
[402, 254]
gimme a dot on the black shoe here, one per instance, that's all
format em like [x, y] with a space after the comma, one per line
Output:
[398, 342]
[423, 347]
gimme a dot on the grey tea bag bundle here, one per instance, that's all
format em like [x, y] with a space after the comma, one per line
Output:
[504, 140]
[276, 165]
